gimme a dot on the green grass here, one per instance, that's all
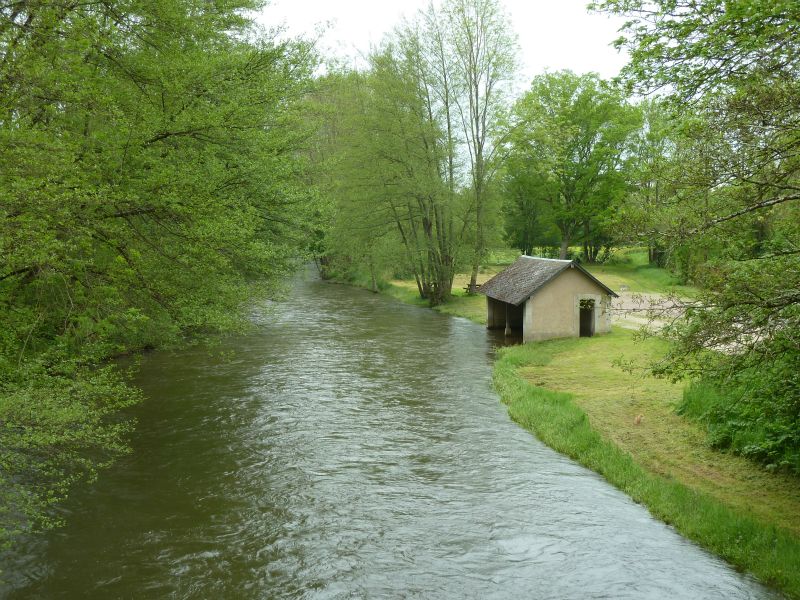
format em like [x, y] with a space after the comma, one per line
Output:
[629, 267]
[770, 553]
[573, 396]
[636, 412]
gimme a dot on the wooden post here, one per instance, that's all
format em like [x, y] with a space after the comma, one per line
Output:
[508, 328]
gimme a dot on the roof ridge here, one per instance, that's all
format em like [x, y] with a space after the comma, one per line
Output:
[562, 260]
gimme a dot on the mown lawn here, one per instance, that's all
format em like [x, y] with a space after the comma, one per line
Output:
[637, 413]
[575, 396]
[570, 394]
[743, 537]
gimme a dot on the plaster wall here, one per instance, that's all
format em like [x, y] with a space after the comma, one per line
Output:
[554, 311]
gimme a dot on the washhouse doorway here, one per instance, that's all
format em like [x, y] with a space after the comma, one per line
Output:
[587, 318]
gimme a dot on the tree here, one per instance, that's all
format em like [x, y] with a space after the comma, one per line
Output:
[528, 223]
[388, 119]
[150, 185]
[733, 68]
[484, 60]
[567, 144]
[736, 64]
[358, 236]
[425, 126]
[655, 160]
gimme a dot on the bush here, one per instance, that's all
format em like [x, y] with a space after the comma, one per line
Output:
[756, 414]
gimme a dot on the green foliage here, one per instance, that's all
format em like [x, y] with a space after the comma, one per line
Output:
[406, 150]
[731, 220]
[742, 335]
[59, 426]
[752, 320]
[746, 420]
[565, 168]
[528, 220]
[479, 51]
[150, 184]
[702, 46]
[389, 171]
[769, 553]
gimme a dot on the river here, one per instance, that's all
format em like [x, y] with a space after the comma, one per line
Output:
[351, 447]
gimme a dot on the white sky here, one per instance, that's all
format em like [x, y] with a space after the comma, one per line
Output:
[553, 34]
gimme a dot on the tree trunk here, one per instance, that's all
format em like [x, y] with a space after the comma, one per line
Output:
[473, 279]
[479, 245]
[564, 248]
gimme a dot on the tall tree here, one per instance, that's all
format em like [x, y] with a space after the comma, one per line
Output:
[656, 158]
[433, 95]
[392, 123]
[484, 62]
[567, 145]
[358, 237]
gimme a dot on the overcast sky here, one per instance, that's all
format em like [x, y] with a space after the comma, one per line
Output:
[553, 34]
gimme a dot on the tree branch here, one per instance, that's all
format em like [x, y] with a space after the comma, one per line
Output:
[744, 211]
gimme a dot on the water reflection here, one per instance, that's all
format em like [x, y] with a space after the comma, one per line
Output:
[497, 338]
[352, 447]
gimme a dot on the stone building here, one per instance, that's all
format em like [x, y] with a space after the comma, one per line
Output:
[544, 298]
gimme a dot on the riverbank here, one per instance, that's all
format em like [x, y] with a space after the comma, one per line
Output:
[623, 425]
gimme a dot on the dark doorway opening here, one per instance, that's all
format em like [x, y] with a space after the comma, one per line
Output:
[587, 318]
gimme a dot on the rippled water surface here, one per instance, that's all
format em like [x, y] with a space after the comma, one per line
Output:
[351, 447]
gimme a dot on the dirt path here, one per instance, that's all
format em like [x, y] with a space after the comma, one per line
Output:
[637, 310]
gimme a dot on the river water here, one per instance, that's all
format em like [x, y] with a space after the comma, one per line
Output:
[351, 447]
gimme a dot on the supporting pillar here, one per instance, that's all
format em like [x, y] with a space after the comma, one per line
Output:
[508, 327]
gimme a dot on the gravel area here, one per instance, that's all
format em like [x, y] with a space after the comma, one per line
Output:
[634, 311]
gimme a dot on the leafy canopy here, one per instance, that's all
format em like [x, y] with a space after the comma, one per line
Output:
[150, 184]
[566, 153]
[732, 71]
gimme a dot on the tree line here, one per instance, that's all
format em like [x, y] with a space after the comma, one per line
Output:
[690, 153]
[162, 163]
[151, 183]
[429, 161]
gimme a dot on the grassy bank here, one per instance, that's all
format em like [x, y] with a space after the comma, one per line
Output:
[623, 425]
[461, 304]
